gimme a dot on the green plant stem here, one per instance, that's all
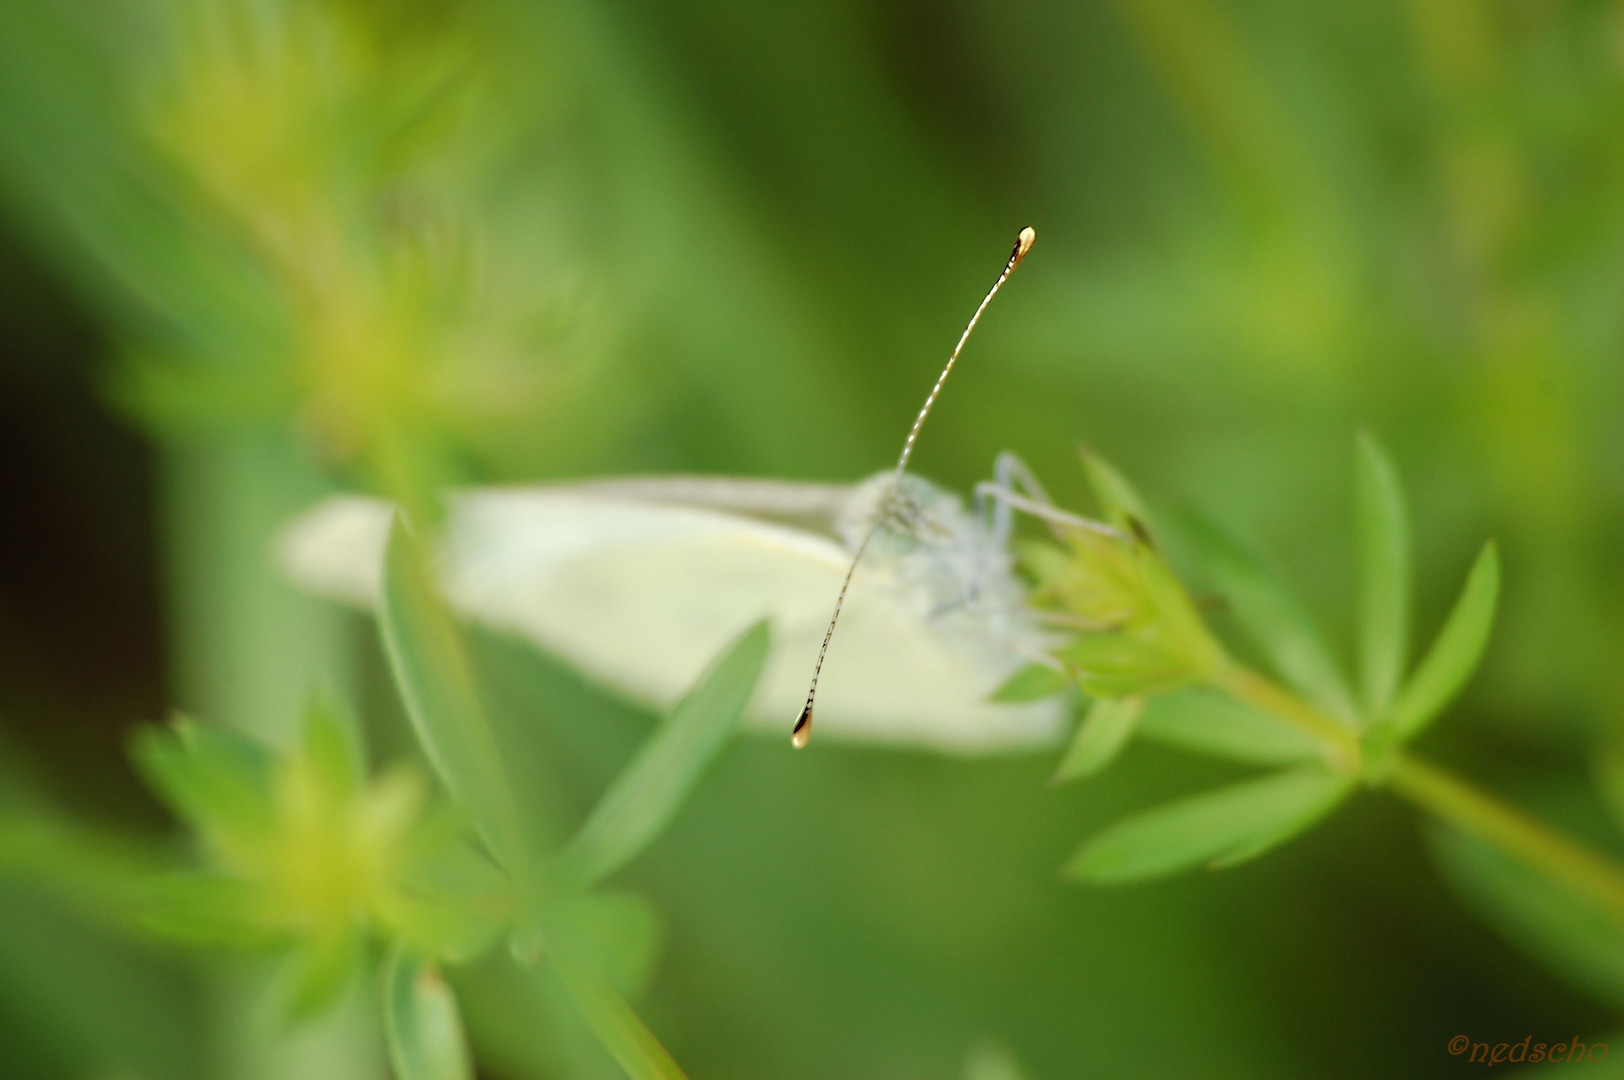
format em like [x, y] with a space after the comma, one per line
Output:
[1532, 841]
[1440, 793]
[1339, 745]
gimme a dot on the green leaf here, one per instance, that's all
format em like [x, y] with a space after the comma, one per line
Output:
[420, 1021]
[173, 397]
[1101, 736]
[1034, 682]
[1206, 722]
[1274, 618]
[1120, 665]
[1116, 496]
[1176, 621]
[204, 908]
[1573, 937]
[1288, 824]
[332, 745]
[431, 672]
[1455, 652]
[622, 1031]
[1092, 577]
[215, 779]
[1384, 555]
[648, 794]
[320, 971]
[99, 872]
[447, 900]
[1216, 828]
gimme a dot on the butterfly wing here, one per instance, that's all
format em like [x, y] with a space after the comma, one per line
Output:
[641, 595]
[798, 503]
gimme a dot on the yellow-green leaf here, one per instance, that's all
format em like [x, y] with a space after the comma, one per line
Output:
[204, 908]
[1384, 593]
[1034, 682]
[1271, 614]
[1100, 737]
[1116, 496]
[215, 779]
[648, 794]
[332, 745]
[431, 672]
[1121, 665]
[1455, 652]
[1220, 826]
[320, 970]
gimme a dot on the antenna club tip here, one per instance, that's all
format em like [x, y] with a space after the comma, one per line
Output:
[802, 732]
[1023, 244]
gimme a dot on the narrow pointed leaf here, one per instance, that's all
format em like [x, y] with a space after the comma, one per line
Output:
[205, 908]
[98, 872]
[332, 745]
[1101, 736]
[431, 672]
[421, 1024]
[1109, 665]
[1231, 822]
[1274, 618]
[620, 1030]
[1034, 682]
[648, 794]
[1384, 595]
[1455, 652]
[320, 972]
[1331, 792]
[215, 779]
[1116, 496]
[1179, 626]
[1206, 722]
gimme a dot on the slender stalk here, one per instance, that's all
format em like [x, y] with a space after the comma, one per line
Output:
[1532, 841]
[1339, 745]
[1440, 793]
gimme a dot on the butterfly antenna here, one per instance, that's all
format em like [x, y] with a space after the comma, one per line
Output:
[802, 732]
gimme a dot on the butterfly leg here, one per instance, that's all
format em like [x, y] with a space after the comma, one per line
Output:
[1059, 520]
[1015, 487]
[996, 516]
[1010, 475]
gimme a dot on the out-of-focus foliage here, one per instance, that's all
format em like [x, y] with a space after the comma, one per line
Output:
[306, 858]
[401, 245]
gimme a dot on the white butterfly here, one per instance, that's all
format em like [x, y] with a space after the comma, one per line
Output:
[641, 582]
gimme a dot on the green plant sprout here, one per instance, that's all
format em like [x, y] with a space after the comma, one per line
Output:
[1140, 649]
[303, 857]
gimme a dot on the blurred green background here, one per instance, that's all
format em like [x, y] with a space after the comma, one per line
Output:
[256, 250]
